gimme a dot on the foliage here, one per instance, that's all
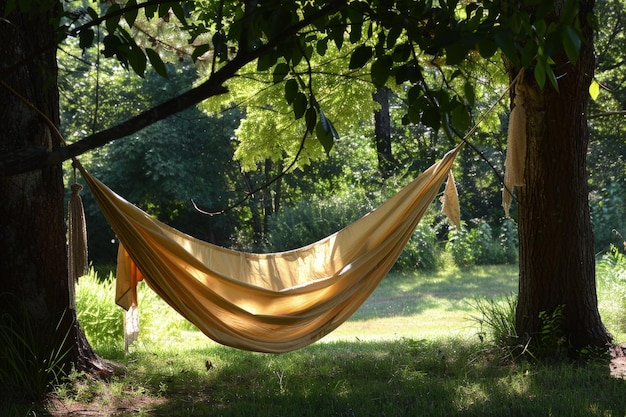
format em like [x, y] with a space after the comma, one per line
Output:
[608, 214]
[99, 317]
[479, 245]
[313, 219]
[164, 168]
[607, 165]
[496, 325]
[423, 251]
[611, 271]
[552, 340]
[102, 319]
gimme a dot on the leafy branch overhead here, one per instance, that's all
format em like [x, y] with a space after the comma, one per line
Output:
[388, 42]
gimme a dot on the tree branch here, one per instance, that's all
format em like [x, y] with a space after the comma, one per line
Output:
[25, 160]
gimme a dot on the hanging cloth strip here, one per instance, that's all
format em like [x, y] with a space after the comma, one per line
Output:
[274, 302]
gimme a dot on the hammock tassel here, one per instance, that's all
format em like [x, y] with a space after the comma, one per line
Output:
[450, 202]
[77, 241]
[515, 149]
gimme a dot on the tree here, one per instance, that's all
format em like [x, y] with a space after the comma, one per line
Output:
[557, 259]
[398, 41]
[38, 326]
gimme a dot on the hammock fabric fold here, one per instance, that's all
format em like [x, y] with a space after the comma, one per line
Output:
[265, 302]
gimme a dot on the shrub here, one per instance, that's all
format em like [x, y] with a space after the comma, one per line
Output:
[99, 317]
[479, 245]
[103, 321]
[608, 216]
[496, 325]
[312, 220]
[422, 251]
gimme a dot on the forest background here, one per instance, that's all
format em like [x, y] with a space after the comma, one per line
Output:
[227, 172]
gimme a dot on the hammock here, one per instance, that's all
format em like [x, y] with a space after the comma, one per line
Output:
[265, 302]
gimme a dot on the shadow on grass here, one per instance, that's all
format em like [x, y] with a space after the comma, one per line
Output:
[398, 378]
[408, 295]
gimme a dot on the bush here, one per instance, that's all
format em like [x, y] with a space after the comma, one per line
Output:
[99, 317]
[103, 321]
[422, 251]
[496, 324]
[312, 220]
[479, 245]
[608, 216]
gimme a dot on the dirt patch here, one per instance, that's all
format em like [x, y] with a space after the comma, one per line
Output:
[618, 361]
[118, 406]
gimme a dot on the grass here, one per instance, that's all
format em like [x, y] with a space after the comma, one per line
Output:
[412, 349]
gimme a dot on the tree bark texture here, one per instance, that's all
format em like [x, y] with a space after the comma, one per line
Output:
[557, 263]
[33, 266]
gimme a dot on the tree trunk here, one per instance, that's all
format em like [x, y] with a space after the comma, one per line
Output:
[33, 271]
[382, 132]
[557, 264]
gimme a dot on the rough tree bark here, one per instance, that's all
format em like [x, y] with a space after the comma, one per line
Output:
[33, 266]
[557, 264]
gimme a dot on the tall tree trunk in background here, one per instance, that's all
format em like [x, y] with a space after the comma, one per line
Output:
[557, 264]
[382, 132]
[34, 289]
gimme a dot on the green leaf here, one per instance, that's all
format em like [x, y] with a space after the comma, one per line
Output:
[360, 56]
[164, 10]
[380, 70]
[321, 46]
[112, 22]
[461, 118]
[506, 43]
[540, 74]
[594, 89]
[151, 10]
[86, 37]
[325, 137]
[552, 77]
[131, 16]
[456, 53]
[137, 60]
[266, 61]
[92, 13]
[300, 103]
[156, 62]
[470, 94]
[431, 118]
[310, 117]
[487, 48]
[291, 90]
[571, 43]
[356, 31]
[280, 72]
[200, 50]
[179, 12]
[393, 35]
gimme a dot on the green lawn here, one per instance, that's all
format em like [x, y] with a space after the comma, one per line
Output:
[427, 305]
[411, 349]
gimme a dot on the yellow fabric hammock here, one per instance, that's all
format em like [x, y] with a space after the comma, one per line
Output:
[274, 302]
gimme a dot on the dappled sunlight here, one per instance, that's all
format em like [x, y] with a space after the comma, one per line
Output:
[451, 376]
